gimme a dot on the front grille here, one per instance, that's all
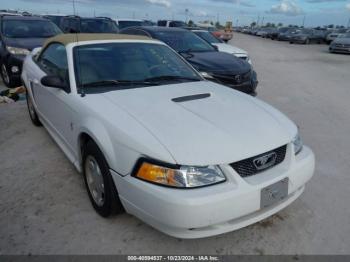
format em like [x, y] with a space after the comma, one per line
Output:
[234, 79]
[246, 167]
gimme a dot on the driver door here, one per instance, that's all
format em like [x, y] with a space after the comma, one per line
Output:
[54, 103]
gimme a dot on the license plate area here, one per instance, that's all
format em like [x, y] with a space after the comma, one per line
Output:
[274, 193]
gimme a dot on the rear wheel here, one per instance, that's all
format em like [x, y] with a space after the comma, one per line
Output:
[99, 182]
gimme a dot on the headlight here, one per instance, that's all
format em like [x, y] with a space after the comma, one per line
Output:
[180, 177]
[249, 60]
[206, 75]
[298, 144]
[18, 51]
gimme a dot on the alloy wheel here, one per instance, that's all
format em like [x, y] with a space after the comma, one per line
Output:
[94, 180]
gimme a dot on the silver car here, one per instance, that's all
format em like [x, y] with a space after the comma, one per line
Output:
[341, 44]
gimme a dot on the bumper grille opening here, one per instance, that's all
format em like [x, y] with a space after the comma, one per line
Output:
[248, 167]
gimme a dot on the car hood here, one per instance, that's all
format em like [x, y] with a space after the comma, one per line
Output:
[230, 49]
[226, 127]
[27, 43]
[342, 41]
[217, 62]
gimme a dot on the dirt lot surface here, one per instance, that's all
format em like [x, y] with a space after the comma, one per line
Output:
[44, 208]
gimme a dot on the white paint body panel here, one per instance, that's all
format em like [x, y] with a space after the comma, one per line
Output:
[224, 128]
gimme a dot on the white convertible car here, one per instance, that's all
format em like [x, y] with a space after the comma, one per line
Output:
[190, 157]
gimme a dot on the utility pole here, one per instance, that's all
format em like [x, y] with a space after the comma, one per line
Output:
[349, 23]
[304, 21]
[262, 23]
[257, 23]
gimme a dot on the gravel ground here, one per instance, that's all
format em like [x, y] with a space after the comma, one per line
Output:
[44, 208]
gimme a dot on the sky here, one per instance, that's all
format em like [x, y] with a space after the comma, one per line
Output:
[240, 12]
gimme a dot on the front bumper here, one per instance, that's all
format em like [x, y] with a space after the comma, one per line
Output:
[336, 49]
[217, 209]
[247, 86]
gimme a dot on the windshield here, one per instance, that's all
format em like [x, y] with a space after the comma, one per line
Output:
[208, 37]
[183, 41]
[29, 29]
[125, 24]
[98, 26]
[129, 65]
[283, 30]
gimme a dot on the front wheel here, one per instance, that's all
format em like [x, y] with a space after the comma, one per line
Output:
[6, 77]
[31, 110]
[99, 182]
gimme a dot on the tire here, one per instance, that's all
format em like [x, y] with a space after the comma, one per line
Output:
[291, 43]
[31, 110]
[6, 78]
[99, 182]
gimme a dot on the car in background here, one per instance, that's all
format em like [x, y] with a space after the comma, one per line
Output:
[125, 23]
[215, 66]
[150, 136]
[221, 45]
[55, 18]
[77, 24]
[221, 34]
[288, 34]
[149, 23]
[307, 36]
[8, 12]
[18, 36]
[341, 44]
[275, 33]
[333, 35]
[264, 32]
[171, 23]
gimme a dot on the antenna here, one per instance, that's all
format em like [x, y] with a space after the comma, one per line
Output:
[77, 40]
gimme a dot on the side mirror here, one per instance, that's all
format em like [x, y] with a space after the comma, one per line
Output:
[54, 81]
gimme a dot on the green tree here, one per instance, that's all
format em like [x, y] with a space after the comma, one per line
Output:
[253, 24]
[280, 24]
[190, 23]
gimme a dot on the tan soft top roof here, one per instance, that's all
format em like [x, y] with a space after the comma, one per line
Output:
[66, 39]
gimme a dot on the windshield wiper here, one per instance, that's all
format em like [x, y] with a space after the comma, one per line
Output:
[117, 83]
[171, 78]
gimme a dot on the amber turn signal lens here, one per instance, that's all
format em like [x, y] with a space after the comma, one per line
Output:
[157, 174]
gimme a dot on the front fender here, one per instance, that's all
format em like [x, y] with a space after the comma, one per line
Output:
[99, 134]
